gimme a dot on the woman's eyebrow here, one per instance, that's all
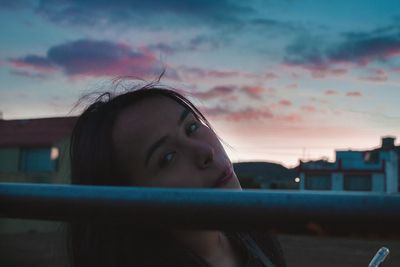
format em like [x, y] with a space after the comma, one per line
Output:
[183, 116]
[163, 139]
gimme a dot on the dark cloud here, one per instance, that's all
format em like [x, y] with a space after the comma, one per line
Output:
[366, 49]
[15, 4]
[92, 58]
[305, 50]
[356, 48]
[205, 42]
[272, 25]
[137, 12]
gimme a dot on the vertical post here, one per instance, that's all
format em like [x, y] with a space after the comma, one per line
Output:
[337, 181]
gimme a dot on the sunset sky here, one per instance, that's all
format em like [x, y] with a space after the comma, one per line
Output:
[279, 80]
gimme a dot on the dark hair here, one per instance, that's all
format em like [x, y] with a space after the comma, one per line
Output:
[93, 163]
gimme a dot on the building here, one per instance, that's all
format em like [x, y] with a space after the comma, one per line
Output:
[374, 170]
[265, 175]
[35, 150]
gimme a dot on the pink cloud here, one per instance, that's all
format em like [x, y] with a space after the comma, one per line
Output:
[330, 92]
[290, 118]
[253, 91]
[245, 114]
[220, 91]
[309, 109]
[270, 76]
[215, 111]
[379, 75]
[292, 86]
[392, 52]
[200, 73]
[285, 102]
[33, 62]
[317, 70]
[222, 74]
[324, 72]
[251, 75]
[250, 114]
[355, 93]
[318, 100]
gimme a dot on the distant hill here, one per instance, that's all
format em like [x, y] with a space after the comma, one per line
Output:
[265, 175]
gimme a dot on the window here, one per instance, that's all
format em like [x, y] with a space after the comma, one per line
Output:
[37, 160]
[357, 183]
[318, 182]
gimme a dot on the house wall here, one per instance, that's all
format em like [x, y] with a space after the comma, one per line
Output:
[63, 174]
[378, 182]
[9, 160]
[391, 169]
[337, 181]
[353, 173]
[302, 177]
[355, 160]
[9, 172]
[10, 166]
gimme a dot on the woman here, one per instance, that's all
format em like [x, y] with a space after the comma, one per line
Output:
[155, 137]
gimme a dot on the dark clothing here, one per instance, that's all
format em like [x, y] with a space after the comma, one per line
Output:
[257, 250]
[261, 250]
[106, 246]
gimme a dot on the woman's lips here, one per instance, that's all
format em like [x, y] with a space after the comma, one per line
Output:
[225, 177]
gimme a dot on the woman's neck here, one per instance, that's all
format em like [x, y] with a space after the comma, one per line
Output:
[213, 246]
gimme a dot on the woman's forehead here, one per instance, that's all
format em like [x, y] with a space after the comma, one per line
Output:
[145, 119]
[145, 110]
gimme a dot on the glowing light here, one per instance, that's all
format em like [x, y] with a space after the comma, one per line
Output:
[54, 153]
[297, 179]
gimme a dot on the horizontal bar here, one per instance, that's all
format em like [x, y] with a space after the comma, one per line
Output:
[198, 208]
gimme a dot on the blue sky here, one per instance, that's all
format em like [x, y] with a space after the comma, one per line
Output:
[279, 80]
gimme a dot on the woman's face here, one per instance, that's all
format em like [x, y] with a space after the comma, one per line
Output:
[159, 143]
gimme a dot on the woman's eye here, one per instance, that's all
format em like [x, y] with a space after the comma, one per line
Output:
[166, 159]
[192, 128]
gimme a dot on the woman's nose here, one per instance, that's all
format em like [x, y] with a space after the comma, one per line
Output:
[204, 153]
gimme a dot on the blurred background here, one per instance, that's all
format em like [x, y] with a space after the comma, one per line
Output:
[305, 94]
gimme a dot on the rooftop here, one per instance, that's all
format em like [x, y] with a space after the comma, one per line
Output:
[35, 132]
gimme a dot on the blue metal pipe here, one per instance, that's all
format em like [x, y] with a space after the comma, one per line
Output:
[198, 208]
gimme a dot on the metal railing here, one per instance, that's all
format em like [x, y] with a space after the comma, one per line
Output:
[199, 208]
